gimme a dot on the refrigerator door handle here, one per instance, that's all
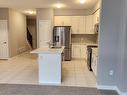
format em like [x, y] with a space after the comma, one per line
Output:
[56, 38]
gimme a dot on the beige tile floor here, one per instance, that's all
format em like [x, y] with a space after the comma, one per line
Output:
[23, 69]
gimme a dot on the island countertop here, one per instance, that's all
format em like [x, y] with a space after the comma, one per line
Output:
[46, 49]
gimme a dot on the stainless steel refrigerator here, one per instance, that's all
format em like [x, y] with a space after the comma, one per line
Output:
[62, 37]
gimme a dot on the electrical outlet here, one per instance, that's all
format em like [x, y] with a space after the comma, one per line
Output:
[111, 72]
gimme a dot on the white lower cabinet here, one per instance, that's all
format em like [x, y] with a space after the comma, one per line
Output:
[83, 51]
[75, 51]
[78, 51]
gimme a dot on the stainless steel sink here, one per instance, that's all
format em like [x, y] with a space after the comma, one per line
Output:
[54, 47]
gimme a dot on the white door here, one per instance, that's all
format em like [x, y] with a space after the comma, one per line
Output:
[4, 40]
[44, 32]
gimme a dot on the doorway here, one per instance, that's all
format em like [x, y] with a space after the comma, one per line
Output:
[32, 32]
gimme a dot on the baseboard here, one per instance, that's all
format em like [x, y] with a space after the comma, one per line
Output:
[111, 88]
[106, 87]
[22, 49]
[46, 83]
[120, 93]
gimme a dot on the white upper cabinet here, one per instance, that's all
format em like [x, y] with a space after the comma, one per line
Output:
[98, 15]
[62, 20]
[58, 21]
[96, 18]
[77, 24]
[74, 24]
[80, 24]
[89, 24]
[67, 20]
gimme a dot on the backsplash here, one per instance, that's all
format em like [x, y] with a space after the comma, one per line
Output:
[79, 38]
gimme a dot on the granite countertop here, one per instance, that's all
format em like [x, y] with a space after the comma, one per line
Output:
[85, 44]
[46, 49]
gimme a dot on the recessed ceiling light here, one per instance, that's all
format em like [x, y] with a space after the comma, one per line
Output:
[82, 1]
[59, 5]
[30, 12]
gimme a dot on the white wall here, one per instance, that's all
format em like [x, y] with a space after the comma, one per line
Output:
[17, 33]
[97, 6]
[45, 14]
[112, 44]
[108, 43]
[122, 65]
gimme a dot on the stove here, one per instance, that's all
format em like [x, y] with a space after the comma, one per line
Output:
[89, 55]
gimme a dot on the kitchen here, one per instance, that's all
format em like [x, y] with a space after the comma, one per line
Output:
[82, 39]
[83, 33]
[18, 64]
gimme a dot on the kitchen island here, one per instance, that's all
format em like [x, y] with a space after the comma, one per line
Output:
[49, 61]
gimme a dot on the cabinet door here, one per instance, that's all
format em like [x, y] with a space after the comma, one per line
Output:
[83, 51]
[96, 17]
[66, 20]
[76, 51]
[77, 23]
[89, 24]
[84, 26]
[58, 20]
[81, 25]
[62, 20]
[74, 24]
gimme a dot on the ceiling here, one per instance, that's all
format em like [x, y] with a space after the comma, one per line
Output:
[31, 4]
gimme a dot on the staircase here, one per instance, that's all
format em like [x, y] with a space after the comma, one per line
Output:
[29, 39]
